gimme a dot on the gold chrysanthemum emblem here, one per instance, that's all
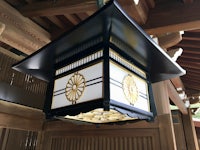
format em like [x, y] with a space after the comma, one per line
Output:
[75, 87]
[130, 89]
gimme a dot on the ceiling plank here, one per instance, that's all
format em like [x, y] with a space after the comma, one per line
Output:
[59, 7]
[20, 32]
[175, 16]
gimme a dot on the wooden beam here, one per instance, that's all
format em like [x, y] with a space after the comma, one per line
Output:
[175, 53]
[59, 7]
[151, 3]
[19, 110]
[20, 32]
[20, 117]
[10, 54]
[177, 82]
[171, 16]
[173, 95]
[2, 27]
[169, 40]
[138, 12]
[19, 122]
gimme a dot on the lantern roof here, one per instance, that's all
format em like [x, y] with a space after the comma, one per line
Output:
[144, 50]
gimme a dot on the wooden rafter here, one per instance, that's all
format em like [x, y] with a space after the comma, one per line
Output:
[192, 86]
[56, 21]
[191, 36]
[72, 18]
[191, 50]
[171, 16]
[59, 7]
[188, 1]
[190, 56]
[189, 64]
[189, 43]
[193, 81]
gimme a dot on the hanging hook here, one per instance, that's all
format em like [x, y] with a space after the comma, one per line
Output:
[101, 3]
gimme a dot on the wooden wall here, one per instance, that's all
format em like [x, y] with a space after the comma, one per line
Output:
[12, 139]
[15, 78]
[29, 131]
[133, 136]
[17, 87]
[185, 133]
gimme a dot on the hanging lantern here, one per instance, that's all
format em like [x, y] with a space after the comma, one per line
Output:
[102, 70]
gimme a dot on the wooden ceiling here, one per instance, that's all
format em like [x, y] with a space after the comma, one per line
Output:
[31, 24]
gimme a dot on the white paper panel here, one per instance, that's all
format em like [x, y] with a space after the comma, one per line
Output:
[93, 88]
[117, 75]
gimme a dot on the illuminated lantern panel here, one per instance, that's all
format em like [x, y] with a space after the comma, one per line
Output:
[101, 71]
[128, 89]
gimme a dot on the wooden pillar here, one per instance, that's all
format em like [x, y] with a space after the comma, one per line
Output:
[190, 133]
[161, 98]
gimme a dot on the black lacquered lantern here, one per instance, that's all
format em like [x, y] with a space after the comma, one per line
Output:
[102, 70]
